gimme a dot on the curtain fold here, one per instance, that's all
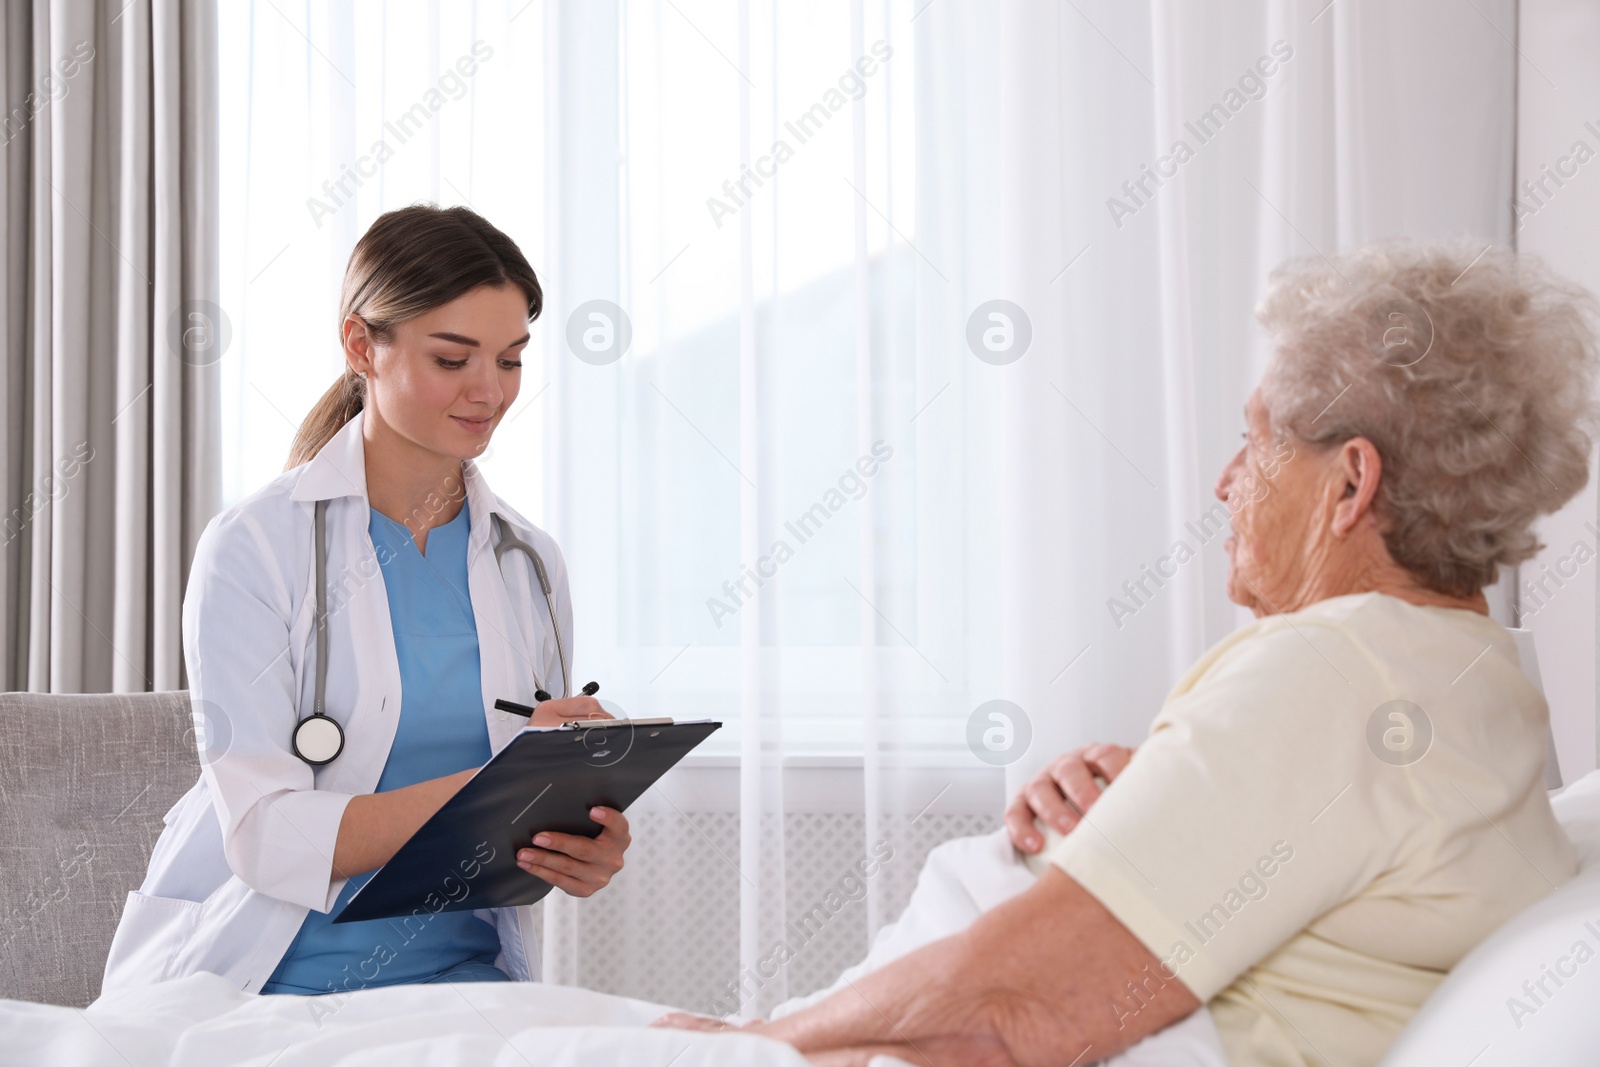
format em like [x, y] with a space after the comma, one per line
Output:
[113, 331]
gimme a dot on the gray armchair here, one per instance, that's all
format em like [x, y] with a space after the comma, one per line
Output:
[85, 781]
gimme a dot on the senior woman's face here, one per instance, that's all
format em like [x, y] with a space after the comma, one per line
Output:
[1272, 497]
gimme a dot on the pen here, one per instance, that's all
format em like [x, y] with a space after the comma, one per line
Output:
[541, 696]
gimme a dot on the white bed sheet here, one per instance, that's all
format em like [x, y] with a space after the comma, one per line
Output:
[202, 1021]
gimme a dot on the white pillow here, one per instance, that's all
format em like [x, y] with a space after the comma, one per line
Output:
[1491, 1009]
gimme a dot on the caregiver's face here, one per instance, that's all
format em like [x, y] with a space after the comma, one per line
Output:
[448, 376]
[1275, 547]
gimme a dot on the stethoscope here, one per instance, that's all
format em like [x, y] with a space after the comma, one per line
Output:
[318, 738]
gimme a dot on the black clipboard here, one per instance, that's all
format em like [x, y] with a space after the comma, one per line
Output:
[465, 856]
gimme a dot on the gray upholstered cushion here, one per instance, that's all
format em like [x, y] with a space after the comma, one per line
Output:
[84, 783]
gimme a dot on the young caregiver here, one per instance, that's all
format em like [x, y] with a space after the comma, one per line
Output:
[428, 621]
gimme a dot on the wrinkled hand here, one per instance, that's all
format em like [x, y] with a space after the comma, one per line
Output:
[1062, 792]
[688, 1020]
[578, 865]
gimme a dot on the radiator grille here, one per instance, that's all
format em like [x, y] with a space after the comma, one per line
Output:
[667, 928]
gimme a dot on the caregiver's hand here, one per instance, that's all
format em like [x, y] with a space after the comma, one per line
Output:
[576, 864]
[1062, 792]
[556, 712]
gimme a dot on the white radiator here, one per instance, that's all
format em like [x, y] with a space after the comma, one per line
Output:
[667, 928]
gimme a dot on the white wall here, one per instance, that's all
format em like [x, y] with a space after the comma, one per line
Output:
[1559, 107]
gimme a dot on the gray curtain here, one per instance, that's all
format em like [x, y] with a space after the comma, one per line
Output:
[108, 290]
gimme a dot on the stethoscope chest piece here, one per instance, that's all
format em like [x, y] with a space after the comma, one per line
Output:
[318, 740]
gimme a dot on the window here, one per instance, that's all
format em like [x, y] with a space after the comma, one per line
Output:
[775, 494]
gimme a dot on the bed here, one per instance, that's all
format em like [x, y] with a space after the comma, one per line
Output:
[1483, 1014]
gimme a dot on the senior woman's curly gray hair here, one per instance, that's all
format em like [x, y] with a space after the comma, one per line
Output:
[1471, 372]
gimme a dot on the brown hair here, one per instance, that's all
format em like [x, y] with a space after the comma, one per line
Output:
[409, 262]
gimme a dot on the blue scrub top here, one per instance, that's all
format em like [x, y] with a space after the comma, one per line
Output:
[441, 731]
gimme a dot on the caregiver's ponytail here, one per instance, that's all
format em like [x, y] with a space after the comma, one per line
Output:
[337, 407]
[410, 261]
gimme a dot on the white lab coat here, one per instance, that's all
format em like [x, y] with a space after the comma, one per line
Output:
[248, 851]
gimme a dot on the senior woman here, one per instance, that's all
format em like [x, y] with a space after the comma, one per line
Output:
[1344, 796]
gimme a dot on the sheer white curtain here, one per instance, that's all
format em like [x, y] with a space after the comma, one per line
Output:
[1365, 120]
[1551, 117]
[778, 501]
[809, 476]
